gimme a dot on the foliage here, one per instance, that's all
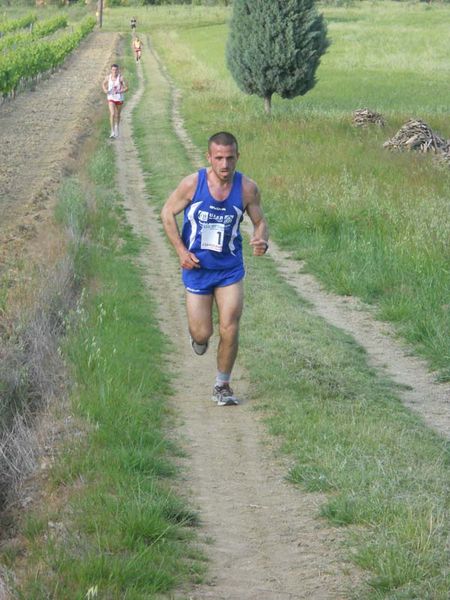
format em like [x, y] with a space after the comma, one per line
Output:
[26, 62]
[274, 46]
[136, 3]
[41, 29]
[14, 24]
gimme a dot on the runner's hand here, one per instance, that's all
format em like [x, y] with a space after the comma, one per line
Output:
[188, 260]
[260, 246]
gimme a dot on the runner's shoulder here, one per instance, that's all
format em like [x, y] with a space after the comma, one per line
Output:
[250, 190]
[187, 186]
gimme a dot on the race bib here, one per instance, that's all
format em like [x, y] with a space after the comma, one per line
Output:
[212, 236]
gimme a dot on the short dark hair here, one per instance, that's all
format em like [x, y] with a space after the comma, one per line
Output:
[114, 65]
[223, 138]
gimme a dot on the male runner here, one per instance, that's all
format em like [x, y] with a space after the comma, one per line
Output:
[137, 47]
[210, 250]
[114, 87]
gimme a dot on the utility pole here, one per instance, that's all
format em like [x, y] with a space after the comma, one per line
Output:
[100, 13]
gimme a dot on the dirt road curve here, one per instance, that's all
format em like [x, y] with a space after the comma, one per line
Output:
[41, 133]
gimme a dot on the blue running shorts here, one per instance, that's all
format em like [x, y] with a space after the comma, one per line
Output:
[203, 281]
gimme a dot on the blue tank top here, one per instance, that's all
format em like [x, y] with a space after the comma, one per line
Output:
[211, 227]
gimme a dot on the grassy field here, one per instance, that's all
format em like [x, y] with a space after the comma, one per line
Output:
[368, 222]
[335, 197]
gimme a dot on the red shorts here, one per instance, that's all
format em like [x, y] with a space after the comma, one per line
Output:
[116, 102]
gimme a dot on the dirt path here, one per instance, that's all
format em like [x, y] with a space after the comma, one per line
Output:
[267, 541]
[42, 132]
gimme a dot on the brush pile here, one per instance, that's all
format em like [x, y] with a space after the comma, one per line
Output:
[364, 117]
[417, 135]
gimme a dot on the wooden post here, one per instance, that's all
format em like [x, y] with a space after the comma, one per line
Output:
[100, 13]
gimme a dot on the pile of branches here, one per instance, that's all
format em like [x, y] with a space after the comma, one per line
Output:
[417, 135]
[363, 117]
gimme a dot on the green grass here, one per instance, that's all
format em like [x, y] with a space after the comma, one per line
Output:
[150, 17]
[164, 159]
[123, 529]
[384, 474]
[368, 222]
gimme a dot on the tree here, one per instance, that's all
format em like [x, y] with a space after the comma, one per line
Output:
[274, 46]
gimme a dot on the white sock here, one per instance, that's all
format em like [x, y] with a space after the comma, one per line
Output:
[222, 378]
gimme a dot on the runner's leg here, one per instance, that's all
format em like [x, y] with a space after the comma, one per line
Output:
[230, 302]
[199, 313]
[118, 109]
[111, 107]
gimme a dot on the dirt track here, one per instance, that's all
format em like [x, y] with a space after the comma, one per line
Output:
[268, 544]
[267, 541]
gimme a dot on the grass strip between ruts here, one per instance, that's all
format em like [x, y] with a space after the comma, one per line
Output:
[113, 525]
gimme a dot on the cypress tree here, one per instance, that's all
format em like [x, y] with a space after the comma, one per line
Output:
[274, 46]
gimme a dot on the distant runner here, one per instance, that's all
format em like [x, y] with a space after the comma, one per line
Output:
[114, 87]
[137, 47]
[210, 250]
[133, 23]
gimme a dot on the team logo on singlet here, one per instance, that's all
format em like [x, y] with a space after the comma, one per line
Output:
[203, 215]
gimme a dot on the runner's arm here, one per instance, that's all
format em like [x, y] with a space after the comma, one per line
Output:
[105, 85]
[175, 204]
[252, 203]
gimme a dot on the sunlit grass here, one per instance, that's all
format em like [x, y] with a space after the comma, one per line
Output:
[384, 474]
[368, 222]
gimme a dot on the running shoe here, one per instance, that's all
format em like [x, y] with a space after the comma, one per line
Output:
[223, 395]
[199, 349]
[113, 135]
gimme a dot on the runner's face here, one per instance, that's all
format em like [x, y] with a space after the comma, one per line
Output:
[223, 160]
[114, 71]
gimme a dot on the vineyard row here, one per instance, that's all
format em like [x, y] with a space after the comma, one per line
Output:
[15, 24]
[40, 29]
[28, 61]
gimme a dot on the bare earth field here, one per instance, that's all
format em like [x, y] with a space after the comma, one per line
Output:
[261, 534]
[42, 133]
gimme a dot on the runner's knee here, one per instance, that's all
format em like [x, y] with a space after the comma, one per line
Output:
[200, 333]
[229, 330]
